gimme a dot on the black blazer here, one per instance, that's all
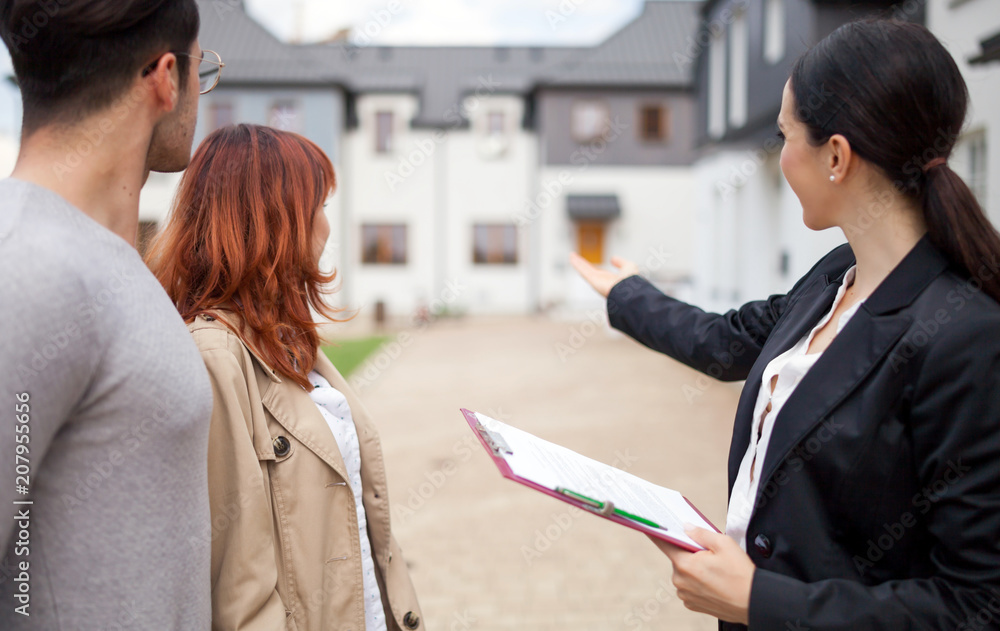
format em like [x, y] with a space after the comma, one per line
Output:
[879, 501]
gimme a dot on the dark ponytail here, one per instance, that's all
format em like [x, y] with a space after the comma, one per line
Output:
[898, 97]
[959, 228]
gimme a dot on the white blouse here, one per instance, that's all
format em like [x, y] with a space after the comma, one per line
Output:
[788, 368]
[333, 406]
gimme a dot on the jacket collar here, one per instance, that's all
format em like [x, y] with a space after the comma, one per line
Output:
[914, 273]
[289, 403]
[295, 410]
[231, 320]
[869, 335]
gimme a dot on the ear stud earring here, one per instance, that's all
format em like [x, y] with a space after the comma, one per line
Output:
[833, 177]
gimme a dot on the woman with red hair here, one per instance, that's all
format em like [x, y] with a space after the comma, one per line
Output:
[300, 514]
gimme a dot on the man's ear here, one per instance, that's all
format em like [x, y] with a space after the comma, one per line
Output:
[163, 82]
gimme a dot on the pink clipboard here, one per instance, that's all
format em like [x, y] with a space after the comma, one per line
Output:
[507, 472]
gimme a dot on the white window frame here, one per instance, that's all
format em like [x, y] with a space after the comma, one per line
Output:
[717, 86]
[775, 24]
[585, 131]
[387, 147]
[491, 117]
[213, 113]
[284, 121]
[978, 166]
[739, 67]
[497, 234]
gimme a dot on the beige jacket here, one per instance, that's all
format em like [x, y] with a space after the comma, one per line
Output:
[285, 547]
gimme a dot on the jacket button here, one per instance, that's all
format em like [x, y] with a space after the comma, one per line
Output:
[763, 545]
[281, 446]
[411, 620]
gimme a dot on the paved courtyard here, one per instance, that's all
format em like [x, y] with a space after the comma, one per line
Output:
[489, 554]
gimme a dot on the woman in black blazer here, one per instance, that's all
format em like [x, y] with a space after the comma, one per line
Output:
[878, 499]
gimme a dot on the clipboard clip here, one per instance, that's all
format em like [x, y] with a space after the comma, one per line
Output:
[494, 441]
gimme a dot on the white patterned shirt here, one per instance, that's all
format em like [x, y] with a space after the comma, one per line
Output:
[789, 368]
[333, 406]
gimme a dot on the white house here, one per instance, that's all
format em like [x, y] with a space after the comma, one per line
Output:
[468, 174]
[970, 29]
[749, 237]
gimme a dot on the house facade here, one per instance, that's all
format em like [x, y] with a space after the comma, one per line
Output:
[624, 186]
[466, 175]
[970, 29]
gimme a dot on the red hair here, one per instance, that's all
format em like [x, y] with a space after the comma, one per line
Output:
[240, 236]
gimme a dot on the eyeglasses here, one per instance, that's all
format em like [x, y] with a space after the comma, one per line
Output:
[209, 68]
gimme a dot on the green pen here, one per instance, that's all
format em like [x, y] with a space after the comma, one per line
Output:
[600, 506]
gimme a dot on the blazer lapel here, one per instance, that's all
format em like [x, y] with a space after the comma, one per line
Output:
[814, 301]
[841, 368]
[871, 333]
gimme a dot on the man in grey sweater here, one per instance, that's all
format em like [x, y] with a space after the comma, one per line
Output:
[104, 400]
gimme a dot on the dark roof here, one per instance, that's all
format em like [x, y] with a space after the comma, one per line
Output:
[641, 54]
[593, 207]
[649, 51]
[441, 76]
[252, 54]
[708, 5]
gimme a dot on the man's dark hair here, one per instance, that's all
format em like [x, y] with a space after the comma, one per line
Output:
[75, 57]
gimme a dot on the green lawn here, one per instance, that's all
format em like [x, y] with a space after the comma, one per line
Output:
[347, 355]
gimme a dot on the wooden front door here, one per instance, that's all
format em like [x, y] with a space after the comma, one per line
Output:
[590, 241]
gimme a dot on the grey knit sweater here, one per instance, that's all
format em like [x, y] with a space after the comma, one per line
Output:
[104, 412]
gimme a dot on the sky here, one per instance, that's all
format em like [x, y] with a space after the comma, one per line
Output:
[414, 22]
[448, 22]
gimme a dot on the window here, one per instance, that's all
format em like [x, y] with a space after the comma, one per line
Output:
[221, 114]
[977, 167]
[383, 244]
[383, 132]
[588, 120]
[494, 124]
[494, 244]
[284, 115]
[738, 53]
[147, 230]
[774, 31]
[717, 86]
[654, 123]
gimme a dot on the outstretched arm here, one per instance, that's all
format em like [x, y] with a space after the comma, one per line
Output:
[724, 346]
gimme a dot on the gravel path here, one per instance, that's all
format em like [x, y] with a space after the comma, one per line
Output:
[486, 553]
